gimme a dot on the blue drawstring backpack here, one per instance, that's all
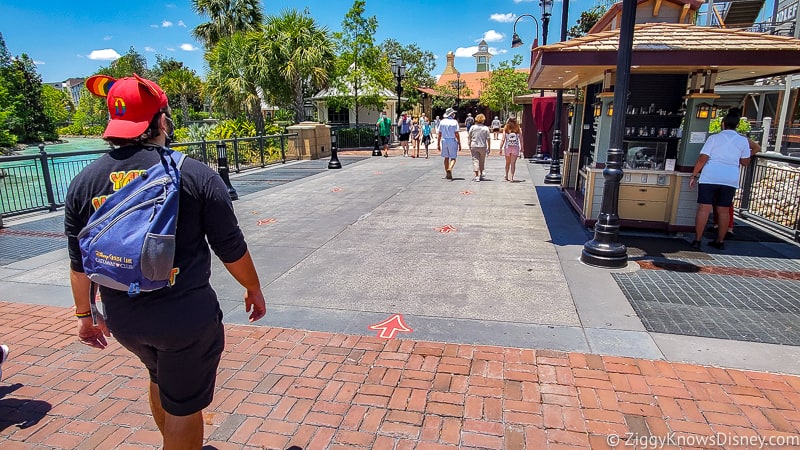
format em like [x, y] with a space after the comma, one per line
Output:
[129, 242]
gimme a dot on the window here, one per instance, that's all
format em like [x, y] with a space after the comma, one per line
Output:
[482, 59]
[341, 116]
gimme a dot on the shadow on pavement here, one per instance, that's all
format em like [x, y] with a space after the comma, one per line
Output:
[562, 222]
[19, 412]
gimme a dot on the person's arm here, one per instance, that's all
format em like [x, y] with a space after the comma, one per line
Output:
[88, 333]
[244, 271]
[698, 167]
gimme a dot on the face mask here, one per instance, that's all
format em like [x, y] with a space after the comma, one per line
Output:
[170, 132]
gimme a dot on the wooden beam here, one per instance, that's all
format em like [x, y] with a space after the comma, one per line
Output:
[656, 8]
[684, 12]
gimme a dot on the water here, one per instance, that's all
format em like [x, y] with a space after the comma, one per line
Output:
[23, 188]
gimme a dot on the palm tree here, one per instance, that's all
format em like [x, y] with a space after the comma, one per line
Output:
[233, 78]
[226, 18]
[296, 54]
[183, 83]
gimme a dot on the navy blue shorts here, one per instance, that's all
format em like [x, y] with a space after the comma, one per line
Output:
[384, 140]
[183, 366]
[715, 194]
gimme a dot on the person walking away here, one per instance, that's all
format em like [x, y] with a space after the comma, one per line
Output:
[716, 176]
[469, 121]
[416, 136]
[384, 125]
[426, 137]
[436, 126]
[479, 146]
[176, 331]
[404, 130]
[496, 127]
[3, 358]
[510, 145]
[449, 142]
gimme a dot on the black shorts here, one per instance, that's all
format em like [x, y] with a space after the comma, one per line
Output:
[404, 136]
[183, 366]
[384, 140]
[715, 194]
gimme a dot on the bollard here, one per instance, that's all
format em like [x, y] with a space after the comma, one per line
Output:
[222, 169]
[376, 151]
[334, 163]
[48, 182]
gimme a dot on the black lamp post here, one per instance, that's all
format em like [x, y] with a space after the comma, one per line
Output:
[517, 42]
[547, 9]
[458, 90]
[554, 177]
[399, 71]
[605, 250]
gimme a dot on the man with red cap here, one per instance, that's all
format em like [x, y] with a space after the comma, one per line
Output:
[175, 331]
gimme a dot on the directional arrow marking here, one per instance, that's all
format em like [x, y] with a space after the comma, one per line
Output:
[266, 221]
[446, 229]
[389, 327]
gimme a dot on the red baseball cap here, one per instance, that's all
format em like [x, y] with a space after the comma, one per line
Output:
[132, 103]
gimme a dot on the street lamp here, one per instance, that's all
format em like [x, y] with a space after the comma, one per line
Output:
[554, 177]
[547, 8]
[399, 71]
[458, 90]
[605, 250]
[516, 41]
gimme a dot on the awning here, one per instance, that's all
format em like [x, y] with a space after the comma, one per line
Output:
[666, 48]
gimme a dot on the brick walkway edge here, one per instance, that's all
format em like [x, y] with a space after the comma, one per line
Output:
[279, 388]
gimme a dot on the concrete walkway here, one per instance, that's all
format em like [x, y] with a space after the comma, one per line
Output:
[509, 341]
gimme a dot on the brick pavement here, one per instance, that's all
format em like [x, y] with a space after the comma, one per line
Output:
[279, 388]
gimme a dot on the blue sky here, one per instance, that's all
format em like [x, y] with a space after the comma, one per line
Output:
[75, 38]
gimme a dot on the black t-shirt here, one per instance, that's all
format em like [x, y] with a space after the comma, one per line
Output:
[205, 218]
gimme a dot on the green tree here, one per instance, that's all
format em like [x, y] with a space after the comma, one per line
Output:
[181, 83]
[163, 65]
[28, 120]
[7, 138]
[588, 19]
[126, 65]
[504, 83]
[297, 56]
[419, 67]
[91, 112]
[226, 18]
[233, 80]
[57, 104]
[361, 73]
[447, 94]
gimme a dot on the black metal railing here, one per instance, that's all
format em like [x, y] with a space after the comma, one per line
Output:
[355, 136]
[770, 194]
[39, 182]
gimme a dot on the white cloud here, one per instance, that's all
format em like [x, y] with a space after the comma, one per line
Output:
[106, 38]
[181, 24]
[149, 49]
[153, 26]
[492, 36]
[503, 18]
[166, 24]
[106, 54]
[467, 52]
[170, 49]
[189, 48]
[522, 1]
[39, 63]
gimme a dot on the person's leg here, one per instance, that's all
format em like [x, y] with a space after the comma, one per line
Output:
[508, 164]
[475, 163]
[183, 432]
[159, 415]
[513, 168]
[724, 220]
[700, 220]
[730, 220]
[447, 173]
[481, 161]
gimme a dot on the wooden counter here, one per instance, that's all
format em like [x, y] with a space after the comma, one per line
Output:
[647, 198]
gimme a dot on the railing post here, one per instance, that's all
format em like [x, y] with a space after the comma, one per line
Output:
[236, 153]
[747, 184]
[48, 182]
[283, 148]
[203, 149]
[222, 169]
[261, 148]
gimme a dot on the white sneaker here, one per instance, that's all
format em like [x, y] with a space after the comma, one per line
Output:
[476, 179]
[3, 357]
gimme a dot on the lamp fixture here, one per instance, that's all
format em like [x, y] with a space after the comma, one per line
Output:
[703, 111]
[598, 108]
[610, 110]
[516, 41]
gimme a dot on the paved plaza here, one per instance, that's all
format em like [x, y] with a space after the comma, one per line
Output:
[495, 335]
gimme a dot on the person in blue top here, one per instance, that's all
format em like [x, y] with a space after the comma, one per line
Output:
[426, 137]
[404, 132]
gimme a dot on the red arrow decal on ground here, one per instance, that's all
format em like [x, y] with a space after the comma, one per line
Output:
[336, 189]
[378, 172]
[390, 327]
[466, 193]
[266, 221]
[446, 229]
